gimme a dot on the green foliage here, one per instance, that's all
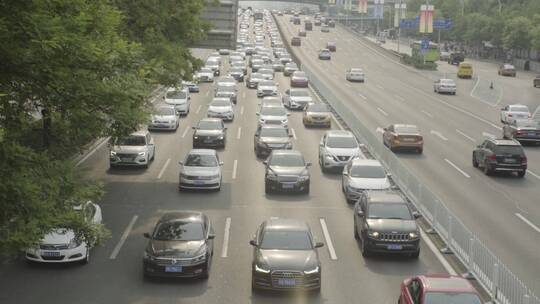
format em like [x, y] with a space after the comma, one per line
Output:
[418, 62]
[516, 34]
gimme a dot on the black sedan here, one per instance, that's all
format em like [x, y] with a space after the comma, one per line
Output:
[209, 132]
[181, 245]
[271, 137]
[286, 170]
[285, 256]
[523, 130]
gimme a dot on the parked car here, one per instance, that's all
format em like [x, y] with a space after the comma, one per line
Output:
[299, 79]
[271, 137]
[165, 118]
[513, 112]
[286, 170]
[360, 175]
[60, 245]
[201, 169]
[438, 288]
[507, 70]
[384, 223]
[317, 115]
[274, 116]
[221, 107]
[181, 245]
[445, 85]
[285, 256]
[337, 148]
[402, 136]
[355, 74]
[500, 155]
[295, 41]
[331, 46]
[136, 149]
[179, 98]
[523, 130]
[210, 132]
[297, 99]
[325, 54]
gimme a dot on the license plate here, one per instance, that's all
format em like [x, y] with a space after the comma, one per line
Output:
[199, 183]
[509, 160]
[408, 139]
[173, 268]
[395, 247]
[208, 141]
[51, 253]
[288, 186]
[127, 159]
[286, 282]
[532, 134]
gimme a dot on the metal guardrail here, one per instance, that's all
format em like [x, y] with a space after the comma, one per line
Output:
[502, 285]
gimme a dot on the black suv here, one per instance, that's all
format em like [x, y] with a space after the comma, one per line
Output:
[383, 222]
[500, 155]
[456, 58]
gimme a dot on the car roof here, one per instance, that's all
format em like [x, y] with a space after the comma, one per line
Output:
[365, 162]
[287, 224]
[192, 216]
[339, 133]
[444, 282]
[504, 142]
[386, 197]
[518, 105]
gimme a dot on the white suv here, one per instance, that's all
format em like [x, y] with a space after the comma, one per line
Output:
[137, 149]
[337, 148]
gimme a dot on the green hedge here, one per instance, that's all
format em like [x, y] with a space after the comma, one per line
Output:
[418, 62]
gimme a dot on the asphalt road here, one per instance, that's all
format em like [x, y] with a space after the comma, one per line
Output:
[135, 198]
[503, 211]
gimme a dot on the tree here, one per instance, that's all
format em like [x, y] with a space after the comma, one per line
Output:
[516, 34]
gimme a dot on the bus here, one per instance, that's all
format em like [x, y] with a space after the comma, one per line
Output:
[430, 55]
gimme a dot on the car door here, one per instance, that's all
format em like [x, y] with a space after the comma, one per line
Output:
[321, 148]
[209, 230]
[346, 176]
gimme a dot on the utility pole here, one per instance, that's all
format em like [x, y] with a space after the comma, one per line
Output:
[399, 25]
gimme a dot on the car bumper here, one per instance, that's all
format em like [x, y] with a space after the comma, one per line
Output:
[268, 282]
[265, 93]
[326, 122]
[206, 79]
[392, 247]
[208, 142]
[153, 269]
[356, 78]
[128, 161]
[276, 185]
[57, 256]
[193, 89]
[324, 57]
[330, 163]
[251, 85]
[181, 109]
[199, 184]
[407, 145]
[446, 90]
[263, 151]
[507, 167]
[162, 126]
[224, 116]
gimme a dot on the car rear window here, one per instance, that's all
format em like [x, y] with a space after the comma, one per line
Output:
[318, 108]
[406, 129]
[519, 109]
[501, 149]
[451, 298]
[528, 124]
[274, 132]
[287, 160]
[201, 160]
[176, 95]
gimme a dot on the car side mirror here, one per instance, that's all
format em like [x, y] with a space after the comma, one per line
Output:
[221, 163]
[319, 244]
[147, 235]
[253, 243]
[416, 215]
[290, 135]
[360, 213]
[345, 173]
[258, 114]
[211, 236]
[164, 98]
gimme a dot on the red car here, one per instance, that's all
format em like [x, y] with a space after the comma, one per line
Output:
[299, 79]
[440, 289]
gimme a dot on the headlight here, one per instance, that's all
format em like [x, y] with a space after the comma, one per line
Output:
[199, 258]
[373, 234]
[413, 235]
[142, 153]
[288, 146]
[304, 177]
[74, 244]
[261, 269]
[271, 175]
[113, 153]
[261, 120]
[220, 137]
[312, 271]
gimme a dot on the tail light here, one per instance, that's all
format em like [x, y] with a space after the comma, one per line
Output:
[524, 160]
[509, 115]
[492, 157]
[520, 132]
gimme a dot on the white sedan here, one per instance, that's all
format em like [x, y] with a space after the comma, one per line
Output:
[201, 169]
[355, 74]
[445, 86]
[514, 112]
[61, 245]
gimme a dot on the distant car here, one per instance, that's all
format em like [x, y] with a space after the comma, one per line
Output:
[201, 169]
[193, 86]
[136, 149]
[181, 245]
[226, 91]
[325, 29]
[205, 74]
[253, 80]
[226, 81]
[507, 70]
[456, 58]
[179, 98]
[286, 170]
[331, 23]
[325, 54]
[302, 34]
[285, 256]
[514, 112]
[523, 130]
[536, 81]
[297, 99]
[271, 137]
[271, 101]
[295, 41]
[224, 52]
[402, 136]
[274, 116]
[384, 223]
[221, 108]
[445, 86]
[355, 74]
[299, 79]
[500, 155]
[317, 115]
[337, 148]
[317, 22]
[267, 88]
[239, 65]
[444, 56]
[237, 74]
[465, 70]
[60, 245]
[290, 68]
[278, 66]
[214, 64]
[165, 118]
[285, 58]
[331, 46]
[360, 175]
[256, 64]
[210, 132]
[267, 73]
[439, 288]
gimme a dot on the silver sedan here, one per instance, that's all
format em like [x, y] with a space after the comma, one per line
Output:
[201, 169]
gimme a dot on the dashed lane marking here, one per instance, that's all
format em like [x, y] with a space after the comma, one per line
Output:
[457, 168]
[164, 168]
[122, 240]
[235, 165]
[465, 135]
[329, 243]
[225, 248]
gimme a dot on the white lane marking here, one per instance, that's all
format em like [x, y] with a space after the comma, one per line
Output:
[235, 165]
[475, 86]
[82, 160]
[227, 230]
[379, 130]
[437, 253]
[499, 98]
[524, 219]
[466, 136]
[438, 134]
[185, 132]
[533, 174]
[457, 168]
[399, 98]
[348, 85]
[362, 96]
[489, 135]
[329, 244]
[239, 133]
[427, 113]
[207, 93]
[293, 133]
[382, 111]
[198, 109]
[164, 168]
[123, 238]
[242, 110]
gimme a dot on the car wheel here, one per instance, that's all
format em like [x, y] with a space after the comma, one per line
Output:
[474, 161]
[153, 155]
[521, 174]
[145, 166]
[415, 255]
[365, 251]
[420, 150]
[487, 170]
[356, 235]
[306, 189]
[267, 188]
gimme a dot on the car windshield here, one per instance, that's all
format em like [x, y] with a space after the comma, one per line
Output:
[451, 298]
[318, 108]
[256, 76]
[287, 160]
[368, 172]
[291, 65]
[220, 103]
[406, 129]
[519, 109]
[273, 111]
[179, 231]
[389, 211]
[133, 140]
[356, 70]
[237, 70]
[267, 84]
[166, 111]
[176, 95]
[341, 142]
[274, 132]
[200, 160]
[286, 240]
[299, 93]
[212, 62]
[210, 125]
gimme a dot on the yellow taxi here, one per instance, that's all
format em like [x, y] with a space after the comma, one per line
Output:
[465, 70]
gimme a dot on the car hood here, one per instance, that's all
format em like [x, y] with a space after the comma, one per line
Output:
[273, 88]
[280, 170]
[129, 149]
[370, 183]
[275, 140]
[287, 259]
[343, 152]
[205, 74]
[163, 117]
[58, 236]
[390, 225]
[199, 171]
[307, 99]
[217, 109]
[208, 132]
[175, 249]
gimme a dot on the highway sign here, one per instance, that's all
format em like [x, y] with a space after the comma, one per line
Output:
[442, 24]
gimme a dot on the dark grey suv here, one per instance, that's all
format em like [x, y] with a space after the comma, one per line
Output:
[383, 222]
[271, 137]
[209, 132]
[286, 170]
[500, 155]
